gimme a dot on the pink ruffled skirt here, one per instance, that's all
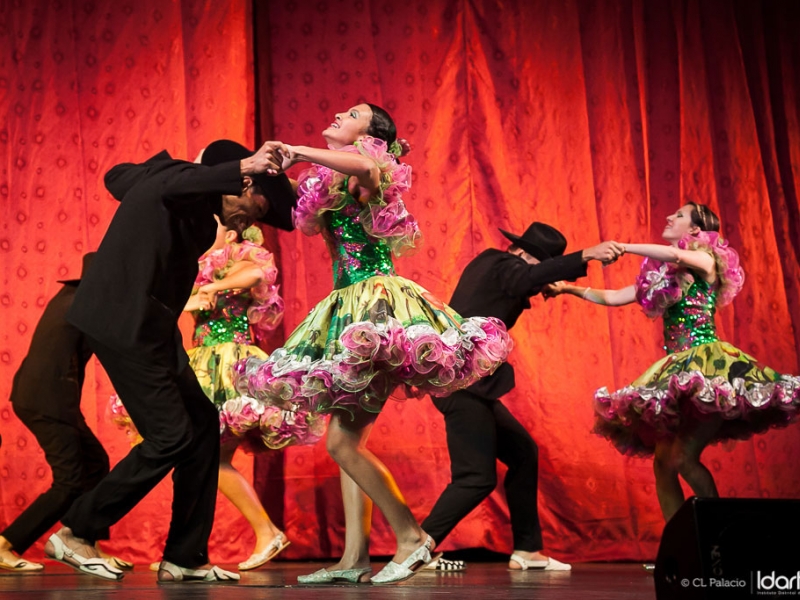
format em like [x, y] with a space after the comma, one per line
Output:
[710, 381]
[379, 337]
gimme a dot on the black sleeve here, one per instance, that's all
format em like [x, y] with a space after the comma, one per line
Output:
[122, 177]
[282, 200]
[191, 181]
[521, 280]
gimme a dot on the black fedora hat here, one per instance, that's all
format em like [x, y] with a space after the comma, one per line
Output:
[87, 260]
[540, 240]
[222, 151]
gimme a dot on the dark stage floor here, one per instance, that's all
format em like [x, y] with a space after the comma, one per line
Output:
[481, 581]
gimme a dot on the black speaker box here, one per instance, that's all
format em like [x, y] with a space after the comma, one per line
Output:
[727, 548]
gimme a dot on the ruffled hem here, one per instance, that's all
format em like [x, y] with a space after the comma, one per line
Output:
[254, 425]
[376, 360]
[384, 217]
[636, 417]
[247, 418]
[660, 284]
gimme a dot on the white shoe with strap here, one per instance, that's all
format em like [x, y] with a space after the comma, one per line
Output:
[551, 564]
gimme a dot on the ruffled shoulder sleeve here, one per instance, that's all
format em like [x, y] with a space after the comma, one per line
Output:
[384, 216]
[657, 287]
[660, 285]
[730, 275]
[319, 190]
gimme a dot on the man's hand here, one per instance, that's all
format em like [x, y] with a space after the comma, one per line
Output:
[267, 159]
[606, 252]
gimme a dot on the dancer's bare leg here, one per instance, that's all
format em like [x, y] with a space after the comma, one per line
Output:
[691, 443]
[668, 487]
[238, 490]
[358, 524]
[346, 445]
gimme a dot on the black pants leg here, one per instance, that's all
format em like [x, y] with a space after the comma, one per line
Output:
[78, 462]
[517, 450]
[180, 428]
[472, 444]
[479, 432]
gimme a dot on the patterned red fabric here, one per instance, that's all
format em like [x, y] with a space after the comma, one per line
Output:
[599, 118]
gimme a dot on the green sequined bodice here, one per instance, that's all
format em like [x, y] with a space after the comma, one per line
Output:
[356, 255]
[226, 322]
[690, 321]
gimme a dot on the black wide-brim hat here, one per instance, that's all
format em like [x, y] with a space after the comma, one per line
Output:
[87, 260]
[222, 151]
[540, 240]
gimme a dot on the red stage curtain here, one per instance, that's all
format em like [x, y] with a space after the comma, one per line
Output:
[600, 118]
[83, 86]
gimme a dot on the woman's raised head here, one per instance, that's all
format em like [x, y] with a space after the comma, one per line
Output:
[703, 217]
[359, 121]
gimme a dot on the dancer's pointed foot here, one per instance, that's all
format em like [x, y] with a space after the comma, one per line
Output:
[396, 572]
[275, 547]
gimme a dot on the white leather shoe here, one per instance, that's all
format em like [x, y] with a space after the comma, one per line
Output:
[551, 564]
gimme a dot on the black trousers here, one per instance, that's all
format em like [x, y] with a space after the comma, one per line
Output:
[78, 462]
[480, 432]
[180, 428]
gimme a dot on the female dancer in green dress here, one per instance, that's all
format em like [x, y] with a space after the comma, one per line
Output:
[705, 390]
[376, 333]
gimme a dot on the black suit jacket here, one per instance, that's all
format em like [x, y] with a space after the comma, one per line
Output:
[50, 378]
[132, 294]
[498, 284]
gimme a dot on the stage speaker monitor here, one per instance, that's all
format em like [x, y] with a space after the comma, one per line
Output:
[729, 548]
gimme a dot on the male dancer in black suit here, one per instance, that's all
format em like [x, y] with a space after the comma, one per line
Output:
[46, 397]
[480, 429]
[127, 305]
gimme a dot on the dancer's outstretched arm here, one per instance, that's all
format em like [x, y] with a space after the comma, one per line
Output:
[626, 295]
[697, 260]
[363, 168]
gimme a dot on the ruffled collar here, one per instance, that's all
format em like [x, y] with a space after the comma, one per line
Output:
[384, 216]
[661, 284]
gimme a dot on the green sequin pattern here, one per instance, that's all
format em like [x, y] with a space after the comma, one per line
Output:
[690, 321]
[356, 255]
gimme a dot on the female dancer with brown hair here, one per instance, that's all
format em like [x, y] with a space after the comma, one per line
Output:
[376, 332]
[705, 390]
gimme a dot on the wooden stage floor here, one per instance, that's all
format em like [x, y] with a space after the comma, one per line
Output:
[481, 581]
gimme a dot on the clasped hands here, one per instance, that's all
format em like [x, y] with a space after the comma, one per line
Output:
[271, 158]
[605, 252]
